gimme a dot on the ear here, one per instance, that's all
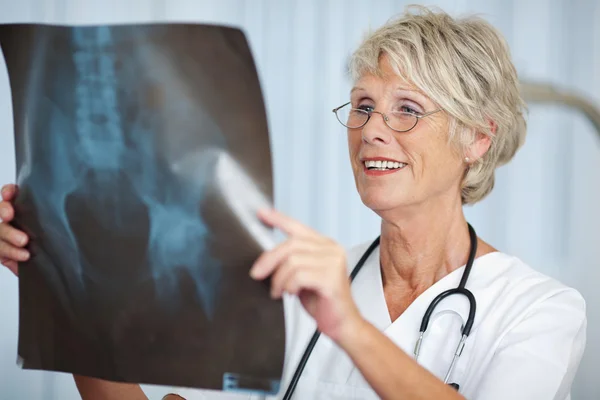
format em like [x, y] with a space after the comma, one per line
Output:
[481, 145]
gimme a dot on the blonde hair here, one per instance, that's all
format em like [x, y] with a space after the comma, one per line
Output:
[464, 66]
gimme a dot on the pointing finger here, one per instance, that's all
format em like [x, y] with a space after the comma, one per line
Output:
[286, 224]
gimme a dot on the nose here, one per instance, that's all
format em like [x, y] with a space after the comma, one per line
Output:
[376, 130]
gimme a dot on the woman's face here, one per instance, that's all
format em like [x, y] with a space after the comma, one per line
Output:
[430, 167]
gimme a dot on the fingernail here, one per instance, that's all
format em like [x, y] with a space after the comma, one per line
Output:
[265, 211]
[253, 272]
[22, 239]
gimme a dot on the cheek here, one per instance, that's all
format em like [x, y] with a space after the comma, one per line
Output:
[354, 140]
[442, 164]
[435, 159]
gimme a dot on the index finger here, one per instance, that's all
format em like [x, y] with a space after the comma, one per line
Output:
[286, 224]
[8, 192]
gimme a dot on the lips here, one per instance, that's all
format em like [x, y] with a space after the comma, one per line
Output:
[377, 166]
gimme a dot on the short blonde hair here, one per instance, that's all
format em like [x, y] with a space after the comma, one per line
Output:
[463, 65]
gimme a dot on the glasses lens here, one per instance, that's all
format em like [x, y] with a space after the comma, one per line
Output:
[402, 121]
[351, 118]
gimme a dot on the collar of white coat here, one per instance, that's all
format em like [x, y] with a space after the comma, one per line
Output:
[367, 290]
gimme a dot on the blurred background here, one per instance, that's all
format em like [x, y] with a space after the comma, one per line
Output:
[545, 207]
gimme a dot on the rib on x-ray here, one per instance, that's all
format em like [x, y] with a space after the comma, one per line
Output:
[142, 157]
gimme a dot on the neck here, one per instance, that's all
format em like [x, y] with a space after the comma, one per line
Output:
[420, 248]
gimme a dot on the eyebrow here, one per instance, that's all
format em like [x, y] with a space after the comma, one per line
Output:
[416, 92]
[398, 89]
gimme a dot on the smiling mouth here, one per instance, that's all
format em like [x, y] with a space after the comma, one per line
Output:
[378, 165]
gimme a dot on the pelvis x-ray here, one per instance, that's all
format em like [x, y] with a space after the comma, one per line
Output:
[142, 157]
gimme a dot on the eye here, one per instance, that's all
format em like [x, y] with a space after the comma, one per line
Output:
[409, 109]
[365, 107]
[408, 106]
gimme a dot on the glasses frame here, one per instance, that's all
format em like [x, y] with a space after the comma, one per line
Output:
[383, 115]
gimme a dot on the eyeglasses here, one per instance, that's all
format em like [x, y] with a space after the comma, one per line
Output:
[399, 121]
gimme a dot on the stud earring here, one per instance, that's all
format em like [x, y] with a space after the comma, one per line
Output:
[467, 160]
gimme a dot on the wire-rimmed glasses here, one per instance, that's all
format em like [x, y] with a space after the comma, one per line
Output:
[399, 121]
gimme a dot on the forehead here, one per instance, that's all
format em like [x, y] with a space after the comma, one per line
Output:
[386, 78]
[376, 87]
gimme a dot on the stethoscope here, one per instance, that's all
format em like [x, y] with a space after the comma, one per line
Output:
[466, 329]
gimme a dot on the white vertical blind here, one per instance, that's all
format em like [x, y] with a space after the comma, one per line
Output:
[546, 204]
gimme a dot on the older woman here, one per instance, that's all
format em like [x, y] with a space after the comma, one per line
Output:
[435, 108]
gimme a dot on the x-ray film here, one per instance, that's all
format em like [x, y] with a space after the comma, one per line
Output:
[142, 157]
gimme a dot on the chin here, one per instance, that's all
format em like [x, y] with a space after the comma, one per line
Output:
[380, 201]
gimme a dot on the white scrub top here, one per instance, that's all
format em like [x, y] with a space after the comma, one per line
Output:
[526, 342]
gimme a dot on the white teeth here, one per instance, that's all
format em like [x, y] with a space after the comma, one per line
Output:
[383, 165]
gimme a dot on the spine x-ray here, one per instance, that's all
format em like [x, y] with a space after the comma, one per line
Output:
[142, 156]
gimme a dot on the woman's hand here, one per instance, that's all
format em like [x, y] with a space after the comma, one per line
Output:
[312, 267]
[12, 240]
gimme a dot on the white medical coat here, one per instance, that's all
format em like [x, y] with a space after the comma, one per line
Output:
[526, 342]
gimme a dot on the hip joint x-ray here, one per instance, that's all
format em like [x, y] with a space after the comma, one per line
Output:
[142, 157]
